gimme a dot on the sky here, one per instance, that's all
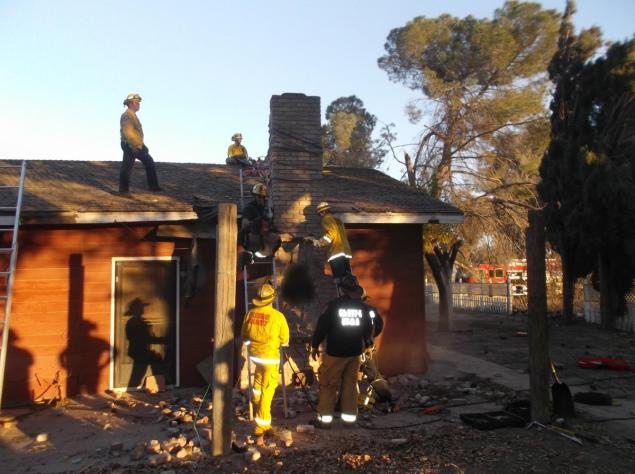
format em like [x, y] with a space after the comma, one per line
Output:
[207, 69]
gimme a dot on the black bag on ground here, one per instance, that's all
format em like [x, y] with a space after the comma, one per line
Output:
[561, 396]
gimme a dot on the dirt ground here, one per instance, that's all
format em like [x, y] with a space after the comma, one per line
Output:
[157, 433]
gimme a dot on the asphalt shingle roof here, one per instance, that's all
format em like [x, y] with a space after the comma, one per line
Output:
[54, 186]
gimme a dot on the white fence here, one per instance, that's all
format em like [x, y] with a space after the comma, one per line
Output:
[480, 297]
[592, 309]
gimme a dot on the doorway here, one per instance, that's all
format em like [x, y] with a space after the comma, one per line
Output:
[144, 321]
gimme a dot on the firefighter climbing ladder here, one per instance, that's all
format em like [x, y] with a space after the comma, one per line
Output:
[9, 224]
[263, 172]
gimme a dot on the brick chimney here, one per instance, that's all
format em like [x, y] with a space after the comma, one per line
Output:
[295, 150]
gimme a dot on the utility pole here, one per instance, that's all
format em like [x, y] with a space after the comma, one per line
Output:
[537, 314]
[224, 308]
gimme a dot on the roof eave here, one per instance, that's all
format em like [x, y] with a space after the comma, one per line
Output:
[400, 218]
[73, 217]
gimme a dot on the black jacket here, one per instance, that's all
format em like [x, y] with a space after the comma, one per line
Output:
[378, 321]
[347, 327]
[255, 213]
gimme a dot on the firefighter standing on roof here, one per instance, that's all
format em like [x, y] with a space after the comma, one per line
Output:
[133, 147]
[339, 253]
[348, 330]
[264, 330]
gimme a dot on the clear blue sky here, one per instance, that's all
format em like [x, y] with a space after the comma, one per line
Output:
[205, 69]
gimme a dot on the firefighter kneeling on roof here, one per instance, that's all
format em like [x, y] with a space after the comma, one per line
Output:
[264, 330]
[347, 327]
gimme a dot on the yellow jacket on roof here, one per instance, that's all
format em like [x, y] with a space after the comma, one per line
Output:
[335, 235]
[131, 130]
[265, 329]
[237, 150]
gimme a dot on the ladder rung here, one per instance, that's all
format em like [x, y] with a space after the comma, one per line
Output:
[6, 250]
[7, 186]
[10, 166]
[5, 273]
[8, 208]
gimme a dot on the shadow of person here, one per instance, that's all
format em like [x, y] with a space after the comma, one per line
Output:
[84, 359]
[17, 387]
[140, 338]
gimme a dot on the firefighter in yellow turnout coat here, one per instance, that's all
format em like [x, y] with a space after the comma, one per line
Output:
[264, 330]
[339, 254]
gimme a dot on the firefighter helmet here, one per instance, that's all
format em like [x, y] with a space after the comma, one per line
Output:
[259, 189]
[266, 294]
[323, 206]
[237, 136]
[131, 97]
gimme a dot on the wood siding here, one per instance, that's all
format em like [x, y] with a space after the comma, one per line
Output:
[388, 261]
[60, 325]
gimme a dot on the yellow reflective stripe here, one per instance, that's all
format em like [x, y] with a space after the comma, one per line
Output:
[328, 239]
[325, 418]
[348, 418]
[260, 360]
[261, 422]
[256, 392]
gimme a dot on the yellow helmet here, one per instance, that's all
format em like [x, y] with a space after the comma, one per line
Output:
[323, 206]
[237, 136]
[266, 294]
[131, 97]
[259, 189]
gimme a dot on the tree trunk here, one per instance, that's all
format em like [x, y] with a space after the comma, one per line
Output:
[410, 169]
[568, 286]
[609, 299]
[441, 263]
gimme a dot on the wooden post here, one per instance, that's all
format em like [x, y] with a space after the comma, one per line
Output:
[226, 238]
[537, 314]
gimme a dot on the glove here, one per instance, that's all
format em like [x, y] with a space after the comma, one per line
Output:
[315, 353]
[309, 239]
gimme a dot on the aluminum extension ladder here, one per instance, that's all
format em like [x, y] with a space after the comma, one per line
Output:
[9, 225]
[263, 173]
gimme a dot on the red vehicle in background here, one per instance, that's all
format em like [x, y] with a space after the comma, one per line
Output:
[515, 272]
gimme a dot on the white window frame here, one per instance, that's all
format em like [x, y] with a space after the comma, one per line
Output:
[114, 261]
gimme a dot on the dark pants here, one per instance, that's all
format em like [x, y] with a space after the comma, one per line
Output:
[340, 266]
[129, 157]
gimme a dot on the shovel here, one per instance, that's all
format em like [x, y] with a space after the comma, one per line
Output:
[561, 396]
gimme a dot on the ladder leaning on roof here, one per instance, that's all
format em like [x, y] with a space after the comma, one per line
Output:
[262, 171]
[9, 224]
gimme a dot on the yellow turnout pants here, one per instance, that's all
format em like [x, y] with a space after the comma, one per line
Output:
[336, 372]
[265, 383]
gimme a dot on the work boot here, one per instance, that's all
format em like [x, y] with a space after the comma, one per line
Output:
[320, 425]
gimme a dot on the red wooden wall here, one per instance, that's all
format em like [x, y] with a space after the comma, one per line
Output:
[388, 261]
[60, 325]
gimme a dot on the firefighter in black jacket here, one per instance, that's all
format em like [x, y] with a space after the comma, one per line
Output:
[255, 234]
[347, 327]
